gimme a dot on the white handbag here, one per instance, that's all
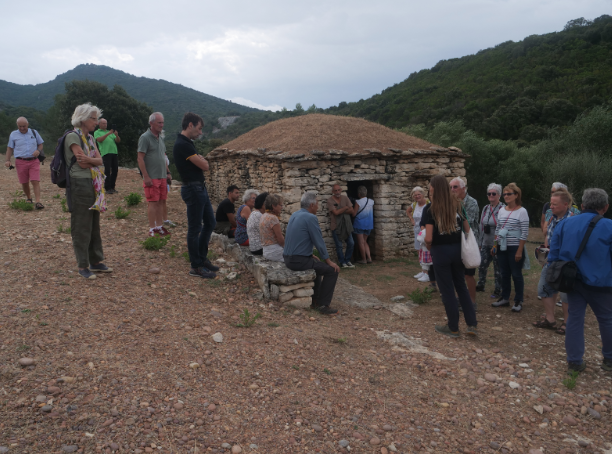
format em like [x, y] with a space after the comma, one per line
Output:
[470, 252]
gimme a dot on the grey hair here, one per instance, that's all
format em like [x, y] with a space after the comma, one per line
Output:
[248, 193]
[362, 191]
[154, 115]
[417, 189]
[556, 186]
[461, 182]
[594, 199]
[496, 187]
[82, 113]
[308, 199]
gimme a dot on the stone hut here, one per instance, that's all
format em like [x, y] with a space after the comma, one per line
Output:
[314, 152]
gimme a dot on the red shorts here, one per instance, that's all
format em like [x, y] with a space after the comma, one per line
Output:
[27, 170]
[157, 191]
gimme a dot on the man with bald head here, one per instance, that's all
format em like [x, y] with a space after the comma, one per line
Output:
[340, 211]
[26, 144]
[107, 144]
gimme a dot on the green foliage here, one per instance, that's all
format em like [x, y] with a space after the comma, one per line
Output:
[57, 196]
[173, 251]
[64, 206]
[21, 205]
[212, 255]
[248, 320]
[61, 229]
[132, 199]
[327, 371]
[570, 381]
[120, 213]
[273, 325]
[340, 340]
[185, 255]
[419, 296]
[155, 243]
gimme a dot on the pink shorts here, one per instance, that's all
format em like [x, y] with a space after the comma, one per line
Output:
[157, 191]
[27, 170]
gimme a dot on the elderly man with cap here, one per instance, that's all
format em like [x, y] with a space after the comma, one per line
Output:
[26, 144]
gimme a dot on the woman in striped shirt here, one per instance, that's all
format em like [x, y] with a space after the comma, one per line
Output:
[510, 238]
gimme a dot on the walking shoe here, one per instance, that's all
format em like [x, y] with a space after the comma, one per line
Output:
[574, 367]
[501, 302]
[518, 306]
[495, 294]
[424, 278]
[326, 310]
[100, 268]
[87, 274]
[419, 276]
[209, 266]
[606, 364]
[202, 272]
[168, 223]
[480, 288]
[559, 303]
[194, 272]
[472, 331]
[444, 329]
[163, 232]
[343, 265]
[349, 265]
[153, 232]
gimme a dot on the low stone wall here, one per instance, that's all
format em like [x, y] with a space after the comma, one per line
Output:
[277, 282]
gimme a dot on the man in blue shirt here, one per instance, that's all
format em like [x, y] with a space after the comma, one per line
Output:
[26, 144]
[304, 233]
[593, 284]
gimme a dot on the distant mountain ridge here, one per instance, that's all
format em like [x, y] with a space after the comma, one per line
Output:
[173, 100]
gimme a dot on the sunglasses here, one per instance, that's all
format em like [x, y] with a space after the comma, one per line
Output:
[506, 194]
[491, 194]
[455, 187]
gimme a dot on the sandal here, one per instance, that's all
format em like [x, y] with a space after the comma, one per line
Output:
[361, 262]
[29, 201]
[545, 324]
[561, 329]
[39, 206]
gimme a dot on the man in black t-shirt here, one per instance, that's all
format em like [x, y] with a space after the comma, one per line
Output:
[190, 166]
[226, 213]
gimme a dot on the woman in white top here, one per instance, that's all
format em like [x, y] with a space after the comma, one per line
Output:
[363, 223]
[255, 245]
[415, 214]
[510, 238]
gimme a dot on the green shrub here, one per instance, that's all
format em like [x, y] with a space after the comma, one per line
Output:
[421, 296]
[61, 229]
[21, 205]
[155, 243]
[133, 199]
[248, 320]
[120, 213]
[64, 206]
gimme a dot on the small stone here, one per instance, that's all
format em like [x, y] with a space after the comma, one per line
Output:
[178, 406]
[384, 451]
[392, 448]
[490, 377]
[316, 428]
[343, 443]
[130, 421]
[398, 298]
[70, 448]
[236, 449]
[53, 390]
[538, 408]
[47, 408]
[595, 414]
[494, 445]
[25, 362]
[387, 428]
[212, 407]
[114, 446]
[154, 270]
[583, 443]
[583, 410]
[194, 365]
[253, 446]
[226, 446]
[67, 379]
[375, 441]
[217, 337]
[231, 276]
[535, 451]
[191, 293]
[569, 420]
[4, 449]
[514, 385]
[41, 398]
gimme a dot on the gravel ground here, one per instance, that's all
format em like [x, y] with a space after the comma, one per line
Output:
[127, 363]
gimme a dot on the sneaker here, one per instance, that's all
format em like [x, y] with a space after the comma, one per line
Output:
[559, 303]
[100, 268]
[195, 272]
[518, 306]
[501, 302]
[153, 233]
[606, 364]
[472, 331]
[163, 232]
[87, 274]
[424, 278]
[444, 329]
[202, 273]
[168, 223]
[495, 295]
[349, 265]
[326, 310]
[209, 266]
[419, 276]
[573, 367]
[343, 265]
[480, 288]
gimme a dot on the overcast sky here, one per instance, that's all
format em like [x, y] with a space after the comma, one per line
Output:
[269, 53]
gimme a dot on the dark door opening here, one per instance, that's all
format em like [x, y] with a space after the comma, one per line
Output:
[351, 192]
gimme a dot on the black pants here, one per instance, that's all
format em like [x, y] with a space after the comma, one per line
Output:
[450, 276]
[111, 167]
[325, 282]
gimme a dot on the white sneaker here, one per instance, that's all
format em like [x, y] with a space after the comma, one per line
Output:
[424, 278]
[419, 276]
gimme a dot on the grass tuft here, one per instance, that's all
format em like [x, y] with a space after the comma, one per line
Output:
[21, 205]
[133, 199]
[155, 243]
[421, 296]
[120, 213]
[248, 320]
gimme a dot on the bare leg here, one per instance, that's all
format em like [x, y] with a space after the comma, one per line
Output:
[366, 247]
[471, 285]
[154, 213]
[549, 308]
[26, 190]
[361, 247]
[36, 186]
[164, 210]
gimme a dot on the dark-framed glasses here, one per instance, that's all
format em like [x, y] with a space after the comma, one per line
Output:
[506, 194]
[491, 194]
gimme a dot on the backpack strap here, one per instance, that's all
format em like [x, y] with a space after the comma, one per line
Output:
[359, 212]
[594, 221]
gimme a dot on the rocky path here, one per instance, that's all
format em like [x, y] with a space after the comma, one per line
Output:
[147, 359]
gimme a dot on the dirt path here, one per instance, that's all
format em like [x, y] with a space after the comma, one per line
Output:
[127, 363]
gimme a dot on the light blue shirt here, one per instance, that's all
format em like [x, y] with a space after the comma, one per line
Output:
[304, 233]
[24, 145]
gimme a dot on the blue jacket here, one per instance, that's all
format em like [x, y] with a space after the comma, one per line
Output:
[304, 232]
[595, 263]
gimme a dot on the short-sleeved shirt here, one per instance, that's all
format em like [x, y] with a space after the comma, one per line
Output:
[225, 207]
[471, 208]
[266, 234]
[184, 149]
[344, 202]
[253, 230]
[154, 151]
[76, 171]
[24, 145]
[108, 145]
[442, 238]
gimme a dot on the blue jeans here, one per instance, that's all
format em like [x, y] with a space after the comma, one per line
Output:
[199, 211]
[350, 245]
[510, 268]
[601, 304]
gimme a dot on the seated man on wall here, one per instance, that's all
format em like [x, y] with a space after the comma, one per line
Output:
[304, 233]
[226, 213]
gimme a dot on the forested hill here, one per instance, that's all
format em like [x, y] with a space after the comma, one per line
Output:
[171, 99]
[512, 91]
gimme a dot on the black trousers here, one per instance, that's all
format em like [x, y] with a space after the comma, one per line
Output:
[325, 282]
[111, 167]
